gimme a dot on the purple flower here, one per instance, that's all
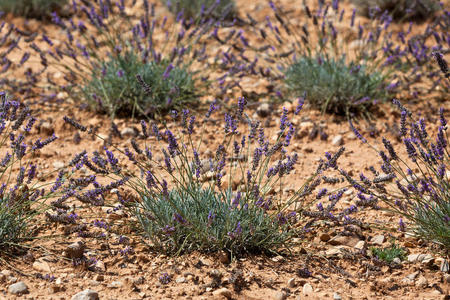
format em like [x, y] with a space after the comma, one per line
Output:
[120, 73]
[211, 217]
[321, 193]
[236, 232]
[178, 218]
[191, 125]
[320, 206]
[169, 68]
[283, 119]
[401, 225]
[236, 200]
[299, 107]
[356, 132]
[410, 149]
[352, 22]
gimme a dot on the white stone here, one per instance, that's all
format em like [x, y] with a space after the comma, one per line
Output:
[307, 289]
[86, 295]
[18, 288]
[338, 140]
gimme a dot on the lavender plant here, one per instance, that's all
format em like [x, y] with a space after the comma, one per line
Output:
[332, 40]
[188, 203]
[100, 58]
[416, 187]
[26, 189]
[403, 10]
[40, 9]
[222, 9]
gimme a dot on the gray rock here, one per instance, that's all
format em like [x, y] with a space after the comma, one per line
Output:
[263, 110]
[397, 261]
[378, 239]
[338, 140]
[180, 279]
[280, 295]
[410, 278]
[86, 295]
[418, 257]
[18, 288]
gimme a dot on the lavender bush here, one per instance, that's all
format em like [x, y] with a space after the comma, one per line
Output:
[331, 41]
[26, 189]
[99, 59]
[40, 9]
[416, 187]
[194, 204]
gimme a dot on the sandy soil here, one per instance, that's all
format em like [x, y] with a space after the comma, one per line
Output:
[340, 268]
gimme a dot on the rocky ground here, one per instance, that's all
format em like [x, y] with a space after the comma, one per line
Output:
[329, 262]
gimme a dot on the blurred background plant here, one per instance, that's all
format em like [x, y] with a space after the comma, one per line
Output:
[399, 10]
[378, 61]
[98, 60]
[199, 9]
[333, 86]
[39, 9]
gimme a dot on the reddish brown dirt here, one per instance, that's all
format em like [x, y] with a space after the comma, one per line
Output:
[335, 269]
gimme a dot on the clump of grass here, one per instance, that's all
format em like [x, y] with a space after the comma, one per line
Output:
[400, 10]
[223, 9]
[335, 86]
[121, 92]
[39, 9]
[388, 254]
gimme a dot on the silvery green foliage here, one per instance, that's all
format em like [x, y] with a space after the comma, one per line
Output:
[411, 10]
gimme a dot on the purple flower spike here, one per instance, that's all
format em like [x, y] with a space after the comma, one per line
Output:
[167, 71]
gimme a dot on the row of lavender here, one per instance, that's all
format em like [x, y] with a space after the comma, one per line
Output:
[186, 212]
[344, 64]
